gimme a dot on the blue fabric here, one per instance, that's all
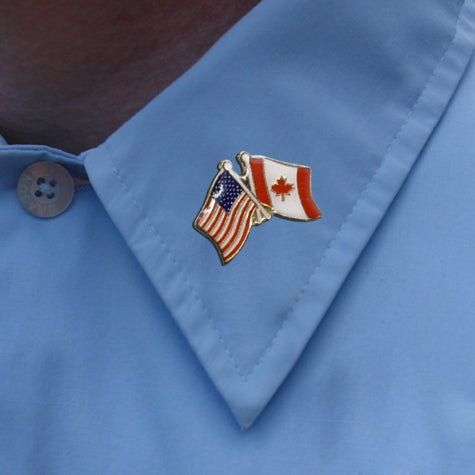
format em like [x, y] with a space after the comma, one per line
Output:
[118, 321]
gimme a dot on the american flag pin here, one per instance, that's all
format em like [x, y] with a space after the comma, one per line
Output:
[235, 203]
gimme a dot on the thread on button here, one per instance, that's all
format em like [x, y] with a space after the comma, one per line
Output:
[45, 188]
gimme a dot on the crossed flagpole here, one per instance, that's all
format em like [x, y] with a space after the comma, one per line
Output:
[264, 214]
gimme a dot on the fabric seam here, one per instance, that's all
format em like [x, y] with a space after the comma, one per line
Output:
[174, 261]
[373, 179]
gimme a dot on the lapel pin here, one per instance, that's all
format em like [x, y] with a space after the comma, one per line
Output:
[236, 202]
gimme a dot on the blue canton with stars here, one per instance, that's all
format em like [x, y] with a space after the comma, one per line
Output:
[226, 191]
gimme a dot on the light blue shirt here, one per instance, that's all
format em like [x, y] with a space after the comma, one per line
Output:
[344, 345]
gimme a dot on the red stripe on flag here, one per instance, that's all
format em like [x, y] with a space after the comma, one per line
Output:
[245, 207]
[257, 168]
[211, 221]
[209, 228]
[221, 226]
[203, 219]
[245, 234]
[305, 193]
[230, 219]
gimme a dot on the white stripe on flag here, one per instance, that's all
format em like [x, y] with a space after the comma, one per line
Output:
[219, 219]
[212, 216]
[235, 221]
[236, 226]
[206, 214]
[230, 217]
[244, 229]
[230, 229]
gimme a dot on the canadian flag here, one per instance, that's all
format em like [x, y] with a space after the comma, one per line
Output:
[284, 187]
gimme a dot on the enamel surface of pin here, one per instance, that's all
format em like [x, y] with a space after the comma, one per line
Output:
[237, 202]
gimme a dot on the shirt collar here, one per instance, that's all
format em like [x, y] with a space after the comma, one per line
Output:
[353, 91]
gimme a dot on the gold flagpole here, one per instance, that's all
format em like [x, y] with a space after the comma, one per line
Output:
[228, 166]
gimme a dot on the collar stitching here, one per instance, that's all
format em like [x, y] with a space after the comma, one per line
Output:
[246, 376]
[373, 178]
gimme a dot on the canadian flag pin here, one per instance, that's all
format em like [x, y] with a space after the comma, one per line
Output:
[266, 187]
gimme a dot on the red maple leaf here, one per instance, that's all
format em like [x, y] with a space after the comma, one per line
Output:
[282, 187]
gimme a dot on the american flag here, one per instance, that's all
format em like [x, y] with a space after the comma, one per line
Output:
[226, 217]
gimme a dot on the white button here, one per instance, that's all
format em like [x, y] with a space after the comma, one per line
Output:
[45, 189]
